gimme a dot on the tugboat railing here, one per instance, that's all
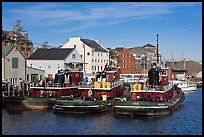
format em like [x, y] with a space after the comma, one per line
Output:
[154, 87]
[75, 84]
[58, 85]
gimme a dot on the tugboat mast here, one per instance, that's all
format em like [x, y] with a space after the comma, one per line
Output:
[157, 49]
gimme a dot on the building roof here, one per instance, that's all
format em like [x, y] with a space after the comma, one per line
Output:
[50, 54]
[149, 45]
[6, 50]
[119, 49]
[199, 75]
[140, 50]
[93, 44]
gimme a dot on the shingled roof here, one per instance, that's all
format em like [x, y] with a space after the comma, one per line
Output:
[6, 50]
[50, 54]
[148, 45]
[93, 44]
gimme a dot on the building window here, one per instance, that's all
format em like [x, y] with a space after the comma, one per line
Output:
[98, 68]
[98, 60]
[81, 55]
[92, 60]
[101, 61]
[48, 66]
[92, 54]
[14, 63]
[123, 55]
[73, 56]
[95, 67]
[31, 65]
[101, 54]
[28, 54]
[101, 68]
[88, 53]
[95, 60]
[27, 77]
[104, 60]
[58, 66]
[92, 67]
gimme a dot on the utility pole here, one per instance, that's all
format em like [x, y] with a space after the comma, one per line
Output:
[84, 58]
[157, 49]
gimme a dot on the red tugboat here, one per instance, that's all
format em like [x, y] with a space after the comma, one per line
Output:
[151, 98]
[96, 97]
[66, 83]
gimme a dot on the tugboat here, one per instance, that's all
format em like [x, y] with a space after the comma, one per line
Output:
[150, 98]
[95, 97]
[66, 83]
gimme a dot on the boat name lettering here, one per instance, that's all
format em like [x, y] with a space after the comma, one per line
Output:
[161, 104]
[135, 103]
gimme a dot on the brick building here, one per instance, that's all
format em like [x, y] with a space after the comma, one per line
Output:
[127, 62]
[16, 38]
[137, 60]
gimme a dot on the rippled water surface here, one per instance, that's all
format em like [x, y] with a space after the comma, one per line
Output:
[187, 120]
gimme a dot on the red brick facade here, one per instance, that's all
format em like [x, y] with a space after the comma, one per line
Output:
[127, 62]
[21, 41]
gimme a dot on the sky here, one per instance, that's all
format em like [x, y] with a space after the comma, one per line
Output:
[115, 24]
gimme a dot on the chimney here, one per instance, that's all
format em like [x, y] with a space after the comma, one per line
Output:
[26, 36]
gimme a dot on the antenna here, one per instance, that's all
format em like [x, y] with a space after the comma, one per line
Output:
[45, 45]
[182, 55]
[157, 49]
[172, 56]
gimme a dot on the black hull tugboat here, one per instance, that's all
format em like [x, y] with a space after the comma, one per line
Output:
[151, 98]
[44, 96]
[96, 97]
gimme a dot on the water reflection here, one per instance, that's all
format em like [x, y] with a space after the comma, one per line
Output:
[186, 120]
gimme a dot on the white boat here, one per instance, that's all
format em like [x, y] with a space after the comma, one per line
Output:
[185, 86]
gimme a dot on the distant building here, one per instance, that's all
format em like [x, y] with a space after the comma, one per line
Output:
[143, 58]
[127, 62]
[152, 53]
[15, 38]
[53, 59]
[13, 64]
[184, 68]
[95, 56]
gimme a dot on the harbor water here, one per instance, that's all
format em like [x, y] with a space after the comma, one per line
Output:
[187, 120]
